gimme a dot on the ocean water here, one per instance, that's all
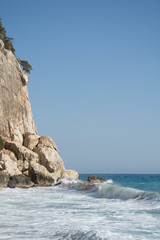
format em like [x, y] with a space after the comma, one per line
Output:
[126, 207]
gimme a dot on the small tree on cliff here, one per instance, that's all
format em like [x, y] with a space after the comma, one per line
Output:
[26, 66]
[8, 44]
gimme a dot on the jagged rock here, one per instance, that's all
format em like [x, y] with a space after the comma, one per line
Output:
[70, 174]
[20, 181]
[23, 165]
[95, 179]
[21, 152]
[15, 110]
[4, 179]
[9, 165]
[49, 157]
[57, 175]
[24, 155]
[40, 175]
[45, 141]
[31, 140]
[44, 164]
[10, 154]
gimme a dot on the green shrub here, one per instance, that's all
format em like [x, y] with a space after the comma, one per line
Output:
[26, 66]
[1, 143]
[8, 44]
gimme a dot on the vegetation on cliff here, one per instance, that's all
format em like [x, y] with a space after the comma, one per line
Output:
[8, 43]
[26, 66]
[1, 143]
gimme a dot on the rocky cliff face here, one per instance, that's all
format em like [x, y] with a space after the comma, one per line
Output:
[27, 158]
[15, 111]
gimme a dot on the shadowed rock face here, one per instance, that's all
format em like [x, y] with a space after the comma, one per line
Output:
[27, 159]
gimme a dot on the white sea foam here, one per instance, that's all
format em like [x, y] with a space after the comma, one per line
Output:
[107, 189]
[109, 181]
[115, 191]
[63, 213]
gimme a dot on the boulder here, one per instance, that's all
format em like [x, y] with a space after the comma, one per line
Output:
[70, 174]
[43, 166]
[9, 165]
[4, 179]
[10, 174]
[45, 141]
[24, 156]
[49, 157]
[21, 152]
[10, 154]
[39, 175]
[20, 181]
[95, 179]
[30, 140]
[57, 175]
[23, 165]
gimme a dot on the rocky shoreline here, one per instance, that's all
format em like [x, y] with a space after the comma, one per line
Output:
[22, 167]
[26, 159]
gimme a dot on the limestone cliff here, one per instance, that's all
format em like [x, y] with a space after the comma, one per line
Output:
[27, 158]
[15, 111]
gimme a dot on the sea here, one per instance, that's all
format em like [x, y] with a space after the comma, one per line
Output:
[125, 207]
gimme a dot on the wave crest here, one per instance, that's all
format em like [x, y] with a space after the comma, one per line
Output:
[124, 193]
[108, 190]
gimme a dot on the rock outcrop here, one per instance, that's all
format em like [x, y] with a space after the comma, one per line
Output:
[27, 159]
[15, 110]
[95, 179]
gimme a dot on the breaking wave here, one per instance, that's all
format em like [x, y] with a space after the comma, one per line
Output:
[108, 190]
[124, 193]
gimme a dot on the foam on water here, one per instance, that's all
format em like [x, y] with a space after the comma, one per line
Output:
[114, 191]
[76, 210]
[109, 190]
[109, 181]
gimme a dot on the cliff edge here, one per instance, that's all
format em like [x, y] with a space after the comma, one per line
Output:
[26, 159]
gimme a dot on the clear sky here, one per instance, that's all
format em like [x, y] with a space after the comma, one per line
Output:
[95, 84]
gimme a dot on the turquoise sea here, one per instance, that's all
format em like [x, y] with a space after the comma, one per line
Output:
[125, 207]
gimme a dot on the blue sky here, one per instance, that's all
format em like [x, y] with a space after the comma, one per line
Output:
[95, 84]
